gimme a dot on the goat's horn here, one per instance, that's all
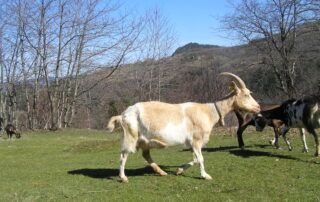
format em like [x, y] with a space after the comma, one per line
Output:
[238, 79]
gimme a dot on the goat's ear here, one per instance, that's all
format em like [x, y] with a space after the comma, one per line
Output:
[233, 87]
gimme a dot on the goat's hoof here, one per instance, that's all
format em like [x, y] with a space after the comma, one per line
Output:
[317, 154]
[305, 150]
[179, 171]
[207, 177]
[242, 147]
[124, 179]
[162, 173]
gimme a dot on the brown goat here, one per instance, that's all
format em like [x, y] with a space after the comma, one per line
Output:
[245, 120]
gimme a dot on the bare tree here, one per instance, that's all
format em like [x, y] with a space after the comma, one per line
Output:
[159, 39]
[51, 46]
[2, 26]
[103, 36]
[274, 27]
[48, 49]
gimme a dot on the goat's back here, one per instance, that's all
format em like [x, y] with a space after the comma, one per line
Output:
[304, 112]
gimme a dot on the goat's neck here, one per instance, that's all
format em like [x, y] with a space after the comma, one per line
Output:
[225, 105]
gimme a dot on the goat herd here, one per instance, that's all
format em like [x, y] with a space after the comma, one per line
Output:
[148, 125]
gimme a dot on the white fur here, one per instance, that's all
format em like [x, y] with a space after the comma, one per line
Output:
[175, 134]
[171, 134]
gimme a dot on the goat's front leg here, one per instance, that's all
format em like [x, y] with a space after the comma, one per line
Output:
[187, 165]
[197, 151]
[303, 139]
[284, 133]
[123, 159]
[154, 166]
[241, 128]
[316, 139]
[240, 131]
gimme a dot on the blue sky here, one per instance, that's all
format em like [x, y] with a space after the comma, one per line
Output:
[194, 21]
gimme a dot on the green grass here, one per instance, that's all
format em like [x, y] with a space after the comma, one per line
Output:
[82, 165]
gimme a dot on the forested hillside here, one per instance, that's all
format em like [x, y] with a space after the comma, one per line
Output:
[191, 74]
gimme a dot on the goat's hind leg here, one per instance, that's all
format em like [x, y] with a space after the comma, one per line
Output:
[128, 142]
[303, 139]
[154, 166]
[123, 159]
[316, 139]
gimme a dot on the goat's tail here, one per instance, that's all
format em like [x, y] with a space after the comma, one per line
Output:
[113, 122]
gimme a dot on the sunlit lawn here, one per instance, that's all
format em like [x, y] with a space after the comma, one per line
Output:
[82, 165]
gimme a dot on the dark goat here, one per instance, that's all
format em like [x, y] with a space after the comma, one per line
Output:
[302, 113]
[245, 120]
[261, 120]
[10, 130]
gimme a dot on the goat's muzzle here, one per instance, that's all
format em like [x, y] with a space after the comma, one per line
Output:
[256, 109]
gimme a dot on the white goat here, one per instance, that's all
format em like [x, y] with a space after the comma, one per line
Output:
[148, 125]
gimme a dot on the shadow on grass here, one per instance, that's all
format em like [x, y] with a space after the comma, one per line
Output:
[214, 149]
[218, 149]
[251, 153]
[234, 150]
[111, 173]
[228, 148]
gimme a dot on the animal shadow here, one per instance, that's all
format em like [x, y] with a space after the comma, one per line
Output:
[218, 149]
[229, 148]
[253, 153]
[212, 149]
[234, 150]
[111, 173]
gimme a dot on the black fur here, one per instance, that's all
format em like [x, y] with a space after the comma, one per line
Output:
[249, 119]
[11, 130]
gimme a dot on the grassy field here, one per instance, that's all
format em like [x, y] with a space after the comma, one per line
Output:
[82, 165]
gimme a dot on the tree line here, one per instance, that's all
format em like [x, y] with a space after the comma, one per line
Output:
[48, 46]
[49, 49]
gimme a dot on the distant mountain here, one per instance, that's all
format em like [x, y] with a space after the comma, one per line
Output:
[193, 47]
